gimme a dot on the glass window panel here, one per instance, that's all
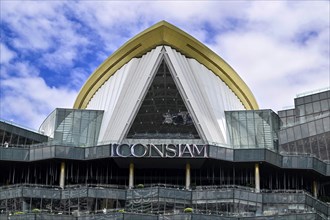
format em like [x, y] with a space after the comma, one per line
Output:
[243, 130]
[46, 152]
[259, 130]
[300, 146]
[284, 148]
[312, 128]
[304, 130]
[229, 154]
[324, 105]
[250, 129]
[281, 114]
[163, 114]
[294, 162]
[292, 147]
[309, 108]
[307, 147]
[297, 132]
[315, 97]
[323, 95]
[314, 146]
[235, 129]
[299, 101]
[290, 121]
[290, 134]
[316, 107]
[309, 117]
[307, 99]
[283, 137]
[301, 119]
[322, 147]
[327, 140]
[326, 123]
[319, 126]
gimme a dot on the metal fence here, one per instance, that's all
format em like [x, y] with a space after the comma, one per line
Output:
[159, 199]
[135, 216]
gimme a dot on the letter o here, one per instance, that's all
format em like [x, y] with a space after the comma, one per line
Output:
[145, 148]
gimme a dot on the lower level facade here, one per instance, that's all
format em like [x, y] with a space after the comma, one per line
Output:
[144, 181]
[158, 202]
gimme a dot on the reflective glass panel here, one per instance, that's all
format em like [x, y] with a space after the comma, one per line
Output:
[163, 113]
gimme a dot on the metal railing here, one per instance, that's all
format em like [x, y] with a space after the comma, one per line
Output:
[303, 198]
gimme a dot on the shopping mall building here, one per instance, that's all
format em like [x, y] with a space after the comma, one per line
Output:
[166, 129]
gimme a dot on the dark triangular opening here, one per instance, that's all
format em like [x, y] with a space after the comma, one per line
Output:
[163, 113]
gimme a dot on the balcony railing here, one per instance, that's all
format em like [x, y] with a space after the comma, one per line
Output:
[208, 195]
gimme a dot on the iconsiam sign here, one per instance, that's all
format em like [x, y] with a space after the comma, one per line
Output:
[159, 150]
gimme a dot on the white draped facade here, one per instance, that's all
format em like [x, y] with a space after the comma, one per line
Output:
[205, 95]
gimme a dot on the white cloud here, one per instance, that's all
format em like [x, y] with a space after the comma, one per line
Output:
[6, 55]
[279, 48]
[286, 19]
[32, 22]
[78, 77]
[272, 57]
[45, 29]
[30, 100]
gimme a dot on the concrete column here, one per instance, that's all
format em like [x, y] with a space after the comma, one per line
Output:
[315, 188]
[188, 176]
[257, 177]
[62, 175]
[131, 176]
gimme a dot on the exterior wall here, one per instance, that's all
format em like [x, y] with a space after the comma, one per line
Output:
[73, 127]
[306, 128]
[120, 95]
[311, 107]
[206, 96]
[12, 135]
[253, 129]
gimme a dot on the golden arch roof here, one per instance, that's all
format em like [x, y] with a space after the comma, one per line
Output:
[164, 33]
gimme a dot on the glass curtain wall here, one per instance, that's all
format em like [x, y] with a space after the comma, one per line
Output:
[12, 135]
[73, 127]
[253, 129]
[163, 113]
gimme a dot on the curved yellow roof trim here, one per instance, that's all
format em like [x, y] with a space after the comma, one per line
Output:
[164, 33]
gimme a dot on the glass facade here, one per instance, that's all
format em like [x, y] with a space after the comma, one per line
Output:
[307, 108]
[73, 127]
[312, 106]
[163, 113]
[306, 128]
[12, 135]
[253, 129]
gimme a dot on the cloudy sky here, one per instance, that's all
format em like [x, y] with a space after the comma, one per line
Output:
[49, 48]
